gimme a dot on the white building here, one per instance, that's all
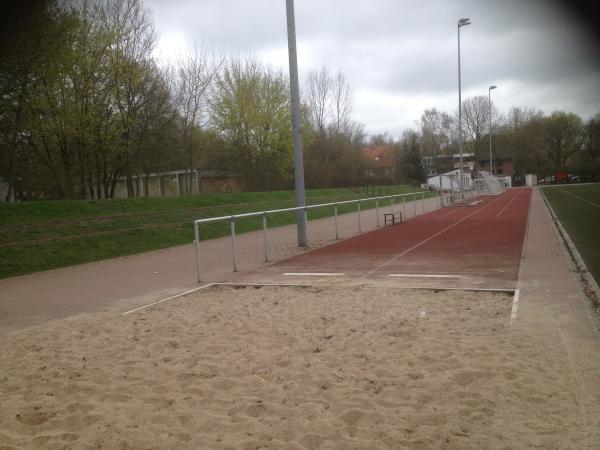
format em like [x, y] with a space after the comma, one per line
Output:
[449, 181]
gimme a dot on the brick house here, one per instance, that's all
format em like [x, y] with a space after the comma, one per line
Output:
[501, 166]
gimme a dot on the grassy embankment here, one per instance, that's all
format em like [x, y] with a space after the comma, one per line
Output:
[578, 209]
[44, 235]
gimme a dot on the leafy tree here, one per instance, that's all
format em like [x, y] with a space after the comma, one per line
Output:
[591, 145]
[413, 158]
[561, 137]
[520, 138]
[33, 41]
[81, 92]
[250, 110]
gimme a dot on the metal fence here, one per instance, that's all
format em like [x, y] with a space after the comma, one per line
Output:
[398, 198]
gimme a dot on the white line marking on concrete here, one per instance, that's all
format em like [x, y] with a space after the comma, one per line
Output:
[166, 299]
[429, 288]
[433, 236]
[263, 285]
[513, 313]
[444, 288]
[412, 275]
[313, 274]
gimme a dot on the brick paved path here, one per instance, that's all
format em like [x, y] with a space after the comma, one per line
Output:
[553, 312]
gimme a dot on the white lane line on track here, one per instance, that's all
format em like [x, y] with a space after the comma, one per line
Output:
[451, 212]
[413, 275]
[509, 203]
[515, 305]
[313, 274]
[424, 241]
[167, 299]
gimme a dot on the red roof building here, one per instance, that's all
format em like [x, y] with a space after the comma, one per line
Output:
[382, 159]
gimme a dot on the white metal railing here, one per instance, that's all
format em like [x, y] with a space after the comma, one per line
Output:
[232, 219]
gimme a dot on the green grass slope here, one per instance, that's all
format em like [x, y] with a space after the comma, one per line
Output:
[44, 235]
[578, 209]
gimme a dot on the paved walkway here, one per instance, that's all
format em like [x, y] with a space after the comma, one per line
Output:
[552, 311]
[132, 281]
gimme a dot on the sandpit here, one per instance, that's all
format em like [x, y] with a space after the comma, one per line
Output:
[289, 368]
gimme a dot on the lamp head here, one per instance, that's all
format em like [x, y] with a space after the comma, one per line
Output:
[464, 21]
[492, 87]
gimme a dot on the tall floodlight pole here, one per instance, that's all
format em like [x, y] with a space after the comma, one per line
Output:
[461, 23]
[490, 107]
[295, 96]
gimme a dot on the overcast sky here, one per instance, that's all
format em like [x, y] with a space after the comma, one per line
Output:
[400, 57]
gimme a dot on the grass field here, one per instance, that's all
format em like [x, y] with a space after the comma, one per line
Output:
[43, 235]
[578, 208]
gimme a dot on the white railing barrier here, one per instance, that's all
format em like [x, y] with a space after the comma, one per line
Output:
[232, 219]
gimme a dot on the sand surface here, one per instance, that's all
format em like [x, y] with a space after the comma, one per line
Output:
[290, 368]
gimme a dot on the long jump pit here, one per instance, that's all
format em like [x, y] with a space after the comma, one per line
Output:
[340, 357]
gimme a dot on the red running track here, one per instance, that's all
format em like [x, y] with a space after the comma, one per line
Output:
[482, 241]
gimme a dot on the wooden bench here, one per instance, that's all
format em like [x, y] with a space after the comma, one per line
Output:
[392, 218]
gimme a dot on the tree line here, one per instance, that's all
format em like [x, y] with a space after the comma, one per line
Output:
[537, 143]
[84, 104]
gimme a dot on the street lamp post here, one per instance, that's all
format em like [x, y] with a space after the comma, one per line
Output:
[461, 23]
[490, 131]
[295, 100]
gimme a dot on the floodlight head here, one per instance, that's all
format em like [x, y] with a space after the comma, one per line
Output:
[492, 87]
[464, 21]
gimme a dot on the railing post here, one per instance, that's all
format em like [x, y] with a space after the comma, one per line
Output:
[377, 211]
[335, 218]
[306, 226]
[266, 252]
[415, 203]
[358, 210]
[233, 244]
[423, 204]
[404, 207]
[197, 239]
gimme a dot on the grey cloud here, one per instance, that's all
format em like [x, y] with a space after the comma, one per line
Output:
[408, 49]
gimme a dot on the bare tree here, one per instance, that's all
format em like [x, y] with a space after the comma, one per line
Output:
[329, 102]
[436, 134]
[475, 120]
[317, 99]
[195, 74]
[475, 117]
[342, 104]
